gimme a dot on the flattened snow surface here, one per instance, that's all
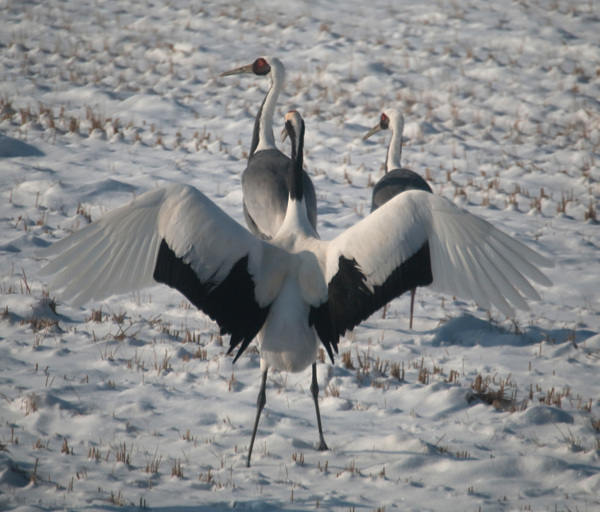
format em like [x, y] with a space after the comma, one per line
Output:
[103, 100]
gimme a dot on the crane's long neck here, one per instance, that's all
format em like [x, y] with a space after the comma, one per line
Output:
[394, 153]
[262, 137]
[296, 184]
[296, 216]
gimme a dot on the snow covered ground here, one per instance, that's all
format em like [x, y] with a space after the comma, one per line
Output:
[132, 403]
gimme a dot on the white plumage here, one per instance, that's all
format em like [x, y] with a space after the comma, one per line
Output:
[295, 289]
[117, 253]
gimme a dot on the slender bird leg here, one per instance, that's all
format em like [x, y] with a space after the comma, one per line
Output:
[260, 404]
[412, 305]
[314, 389]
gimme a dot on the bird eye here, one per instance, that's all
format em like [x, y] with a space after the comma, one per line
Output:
[261, 66]
[385, 122]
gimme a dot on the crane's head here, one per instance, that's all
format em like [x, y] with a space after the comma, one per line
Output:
[263, 66]
[391, 119]
[293, 122]
[294, 128]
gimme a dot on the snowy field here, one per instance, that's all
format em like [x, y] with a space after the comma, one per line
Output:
[132, 403]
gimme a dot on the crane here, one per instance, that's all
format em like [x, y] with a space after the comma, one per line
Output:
[295, 290]
[265, 179]
[396, 179]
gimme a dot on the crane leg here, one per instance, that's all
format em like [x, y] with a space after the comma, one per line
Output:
[412, 305]
[260, 404]
[314, 389]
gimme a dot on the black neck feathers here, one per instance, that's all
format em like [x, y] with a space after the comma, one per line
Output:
[295, 130]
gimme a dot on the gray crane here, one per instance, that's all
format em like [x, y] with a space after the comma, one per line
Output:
[396, 179]
[265, 180]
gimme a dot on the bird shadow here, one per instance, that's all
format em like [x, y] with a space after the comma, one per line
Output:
[468, 331]
[13, 148]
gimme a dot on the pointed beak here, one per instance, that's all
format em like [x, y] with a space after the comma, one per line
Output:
[374, 130]
[238, 71]
[284, 133]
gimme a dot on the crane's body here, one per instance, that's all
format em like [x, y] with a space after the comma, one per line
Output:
[395, 182]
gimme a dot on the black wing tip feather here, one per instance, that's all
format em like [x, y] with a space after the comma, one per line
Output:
[322, 320]
[328, 341]
[350, 300]
[230, 303]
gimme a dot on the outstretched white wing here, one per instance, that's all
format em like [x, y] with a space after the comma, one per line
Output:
[473, 259]
[416, 239]
[118, 252]
[177, 236]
